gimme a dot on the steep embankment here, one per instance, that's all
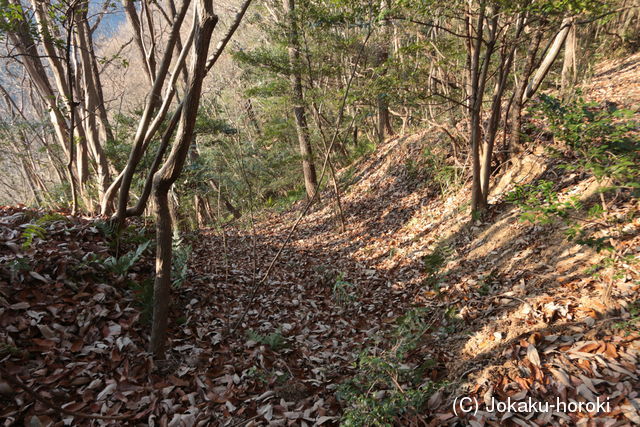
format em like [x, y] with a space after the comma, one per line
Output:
[510, 307]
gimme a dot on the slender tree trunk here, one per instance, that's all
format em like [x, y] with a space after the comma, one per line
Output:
[72, 108]
[91, 105]
[308, 167]
[167, 175]
[516, 120]
[476, 96]
[569, 64]
[548, 60]
[162, 282]
[504, 69]
[134, 21]
[21, 37]
[384, 119]
[82, 164]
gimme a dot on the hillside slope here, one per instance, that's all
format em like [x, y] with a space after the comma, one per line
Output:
[414, 299]
[511, 307]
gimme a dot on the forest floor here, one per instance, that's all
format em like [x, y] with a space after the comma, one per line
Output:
[495, 307]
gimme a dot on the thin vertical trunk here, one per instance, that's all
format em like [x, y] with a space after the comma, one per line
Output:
[569, 63]
[82, 163]
[382, 103]
[90, 105]
[161, 286]
[105, 126]
[504, 69]
[308, 167]
[475, 105]
[384, 120]
[515, 145]
[72, 108]
[167, 175]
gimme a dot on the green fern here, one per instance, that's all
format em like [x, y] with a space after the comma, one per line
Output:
[30, 233]
[180, 264]
[120, 266]
[276, 341]
[36, 229]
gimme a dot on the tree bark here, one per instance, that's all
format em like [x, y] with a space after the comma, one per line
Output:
[167, 175]
[475, 107]
[504, 69]
[382, 103]
[515, 145]
[134, 21]
[308, 167]
[569, 63]
[548, 60]
[91, 104]
[72, 113]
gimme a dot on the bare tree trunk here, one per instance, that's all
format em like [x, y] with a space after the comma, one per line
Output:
[82, 164]
[174, 210]
[548, 60]
[107, 134]
[504, 69]
[21, 37]
[72, 108]
[308, 167]
[167, 175]
[162, 282]
[569, 64]
[147, 122]
[203, 214]
[515, 145]
[384, 119]
[134, 21]
[478, 80]
[91, 104]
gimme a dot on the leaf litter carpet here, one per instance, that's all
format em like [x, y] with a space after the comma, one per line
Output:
[75, 334]
[513, 315]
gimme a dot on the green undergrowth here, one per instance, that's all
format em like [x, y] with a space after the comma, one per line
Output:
[389, 384]
[276, 341]
[596, 141]
[632, 324]
[37, 228]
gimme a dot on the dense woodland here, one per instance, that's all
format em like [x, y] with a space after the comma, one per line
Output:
[319, 212]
